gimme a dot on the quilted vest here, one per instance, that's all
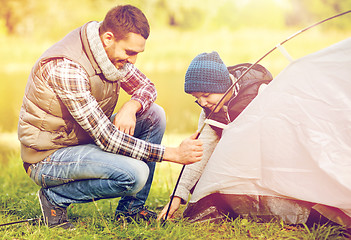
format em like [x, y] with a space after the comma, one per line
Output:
[45, 124]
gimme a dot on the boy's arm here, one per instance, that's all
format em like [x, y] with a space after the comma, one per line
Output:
[193, 172]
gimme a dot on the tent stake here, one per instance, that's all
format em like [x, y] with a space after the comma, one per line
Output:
[231, 87]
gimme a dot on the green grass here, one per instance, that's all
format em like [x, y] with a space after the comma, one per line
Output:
[94, 220]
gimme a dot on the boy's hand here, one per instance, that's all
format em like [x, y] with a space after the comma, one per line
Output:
[174, 207]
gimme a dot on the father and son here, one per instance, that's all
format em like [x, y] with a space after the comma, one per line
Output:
[78, 151]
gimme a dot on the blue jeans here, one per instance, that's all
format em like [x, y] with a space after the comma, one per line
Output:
[84, 173]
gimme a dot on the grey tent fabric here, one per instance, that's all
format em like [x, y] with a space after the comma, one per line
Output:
[293, 142]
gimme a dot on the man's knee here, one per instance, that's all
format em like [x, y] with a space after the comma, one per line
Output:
[160, 115]
[141, 175]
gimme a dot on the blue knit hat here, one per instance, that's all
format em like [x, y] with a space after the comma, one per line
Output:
[207, 73]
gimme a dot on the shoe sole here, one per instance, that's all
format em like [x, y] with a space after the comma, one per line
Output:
[67, 225]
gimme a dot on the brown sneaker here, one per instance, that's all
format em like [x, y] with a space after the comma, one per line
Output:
[143, 214]
[54, 216]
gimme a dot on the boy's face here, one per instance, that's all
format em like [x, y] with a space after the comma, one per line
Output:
[209, 100]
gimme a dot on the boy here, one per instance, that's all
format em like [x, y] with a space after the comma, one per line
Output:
[207, 79]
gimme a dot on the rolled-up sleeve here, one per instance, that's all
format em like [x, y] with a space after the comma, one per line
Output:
[135, 83]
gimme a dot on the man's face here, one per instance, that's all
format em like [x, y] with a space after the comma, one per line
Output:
[125, 50]
[209, 100]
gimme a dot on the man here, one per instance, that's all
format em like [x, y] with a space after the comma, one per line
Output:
[71, 146]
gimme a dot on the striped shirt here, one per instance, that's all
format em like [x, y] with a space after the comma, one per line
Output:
[71, 84]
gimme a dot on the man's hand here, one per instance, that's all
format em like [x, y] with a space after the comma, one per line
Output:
[174, 207]
[125, 119]
[189, 151]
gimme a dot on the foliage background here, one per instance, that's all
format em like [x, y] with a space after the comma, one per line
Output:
[240, 30]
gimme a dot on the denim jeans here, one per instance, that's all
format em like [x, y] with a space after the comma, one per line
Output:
[84, 173]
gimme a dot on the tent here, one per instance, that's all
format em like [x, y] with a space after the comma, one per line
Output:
[289, 151]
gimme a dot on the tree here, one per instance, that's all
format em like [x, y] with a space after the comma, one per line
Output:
[14, 13]
[303, 11]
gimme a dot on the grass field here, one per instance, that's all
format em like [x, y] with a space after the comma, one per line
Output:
[95, 220]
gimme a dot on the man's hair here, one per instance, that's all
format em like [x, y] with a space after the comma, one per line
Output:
[124, 19]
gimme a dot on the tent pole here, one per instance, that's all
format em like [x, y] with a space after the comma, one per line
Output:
[242, 75]
[21, 221]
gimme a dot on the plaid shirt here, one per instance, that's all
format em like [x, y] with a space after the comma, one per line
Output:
[70, 83]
